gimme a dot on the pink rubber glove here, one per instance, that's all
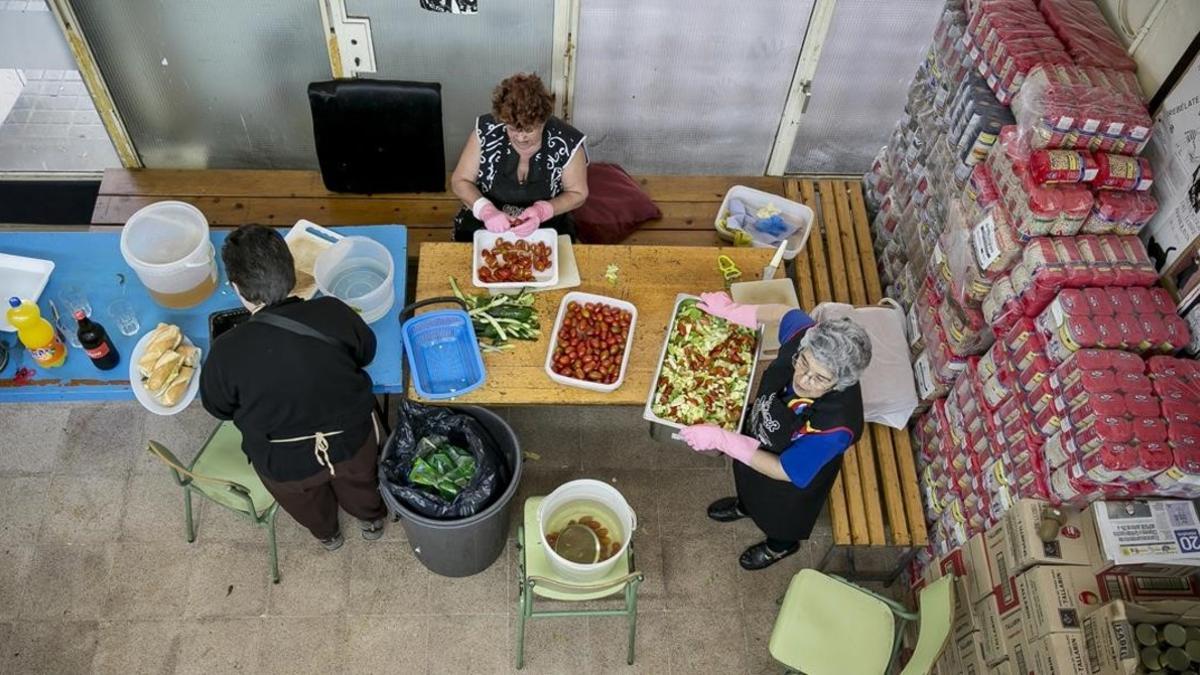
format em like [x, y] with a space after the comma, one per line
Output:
[713, 437]
[532, 218]
[493, 218]
[720, 305]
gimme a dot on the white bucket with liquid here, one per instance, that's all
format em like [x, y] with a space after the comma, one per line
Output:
[167, 245]
[576, 499]
[360, 272]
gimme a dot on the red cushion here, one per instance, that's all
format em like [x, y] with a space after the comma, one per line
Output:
[616, 206]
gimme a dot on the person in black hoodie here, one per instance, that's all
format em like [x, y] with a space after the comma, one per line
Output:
[292, 379]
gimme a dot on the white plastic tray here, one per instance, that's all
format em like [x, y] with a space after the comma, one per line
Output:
[790, 210]
[647, 413]
[24, 278]
[485, 240]
[581, 297]
[144, 396]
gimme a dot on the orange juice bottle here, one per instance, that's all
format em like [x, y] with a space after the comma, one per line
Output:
[36, 333]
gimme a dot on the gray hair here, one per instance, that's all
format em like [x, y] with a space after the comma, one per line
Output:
[842, 346]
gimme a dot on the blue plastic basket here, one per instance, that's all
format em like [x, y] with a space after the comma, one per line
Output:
[443, 354]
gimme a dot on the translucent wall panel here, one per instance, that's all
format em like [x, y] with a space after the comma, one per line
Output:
[467, 54]
[218, 83]
[686, 86]
[870, 55]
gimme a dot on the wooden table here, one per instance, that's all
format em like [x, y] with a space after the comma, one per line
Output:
[650, 278]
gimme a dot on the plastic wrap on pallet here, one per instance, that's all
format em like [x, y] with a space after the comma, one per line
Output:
[1124, 213]
[1085, 32]
[1037, 210]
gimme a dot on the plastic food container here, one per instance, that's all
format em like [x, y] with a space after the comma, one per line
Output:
[167, 245]
[586, 490]
[360, 272]
[443, 353]
[582, 298]
[795, 213]
[486, 240]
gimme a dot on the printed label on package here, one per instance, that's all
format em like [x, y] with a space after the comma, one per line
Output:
[987, 245]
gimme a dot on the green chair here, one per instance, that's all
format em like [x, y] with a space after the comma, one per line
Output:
[538, 579]
[828, 626]
[221, 473]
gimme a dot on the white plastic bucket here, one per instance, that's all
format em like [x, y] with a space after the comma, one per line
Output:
[360, 272]
[589, 490]
[167, 245]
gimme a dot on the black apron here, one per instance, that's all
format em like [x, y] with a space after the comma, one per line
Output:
[498, 175]
[778, 507]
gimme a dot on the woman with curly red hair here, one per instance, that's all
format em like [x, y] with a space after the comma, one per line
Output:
[522, 168]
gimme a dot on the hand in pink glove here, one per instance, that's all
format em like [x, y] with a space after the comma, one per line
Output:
[713, 437]
[532, 218]
[493, 218]
[720, 305]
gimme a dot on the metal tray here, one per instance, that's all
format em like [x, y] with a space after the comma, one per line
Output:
[647, 413]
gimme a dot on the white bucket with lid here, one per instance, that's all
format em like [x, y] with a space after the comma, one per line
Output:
[167, 245]
[360, 272]
[586, 490]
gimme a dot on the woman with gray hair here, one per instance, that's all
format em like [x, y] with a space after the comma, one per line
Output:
[808, 411]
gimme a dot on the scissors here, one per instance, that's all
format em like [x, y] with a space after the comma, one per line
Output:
[728, 269]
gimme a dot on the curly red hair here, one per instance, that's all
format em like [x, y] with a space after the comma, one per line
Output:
[522, 100]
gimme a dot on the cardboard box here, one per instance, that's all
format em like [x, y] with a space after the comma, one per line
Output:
[1118, 585]
[1150, 538]
[970, 654]
[1021, 657]
[1021, 526]
[1054, 598]
[991, 631]
[965, 619]
[981, 580]
[1108, 631]
[1060, 654]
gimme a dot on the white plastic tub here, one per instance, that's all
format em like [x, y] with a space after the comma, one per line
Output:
[485, 240]
[581, 297]
[790, 211]
[586, 489]
[360, 272]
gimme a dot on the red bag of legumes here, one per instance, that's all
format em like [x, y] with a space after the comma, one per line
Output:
[1118, 172]
[1047, 167]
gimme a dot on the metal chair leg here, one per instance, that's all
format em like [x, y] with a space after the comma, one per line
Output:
[522, 612]
[631, 604]
[189, 527]
[270, 525]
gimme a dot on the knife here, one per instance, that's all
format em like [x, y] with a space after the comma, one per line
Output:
[769, 270]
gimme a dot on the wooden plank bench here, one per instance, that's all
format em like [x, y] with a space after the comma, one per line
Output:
[232, 197]
[876, 502]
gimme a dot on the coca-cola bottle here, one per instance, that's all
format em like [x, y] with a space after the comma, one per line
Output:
[96, 343]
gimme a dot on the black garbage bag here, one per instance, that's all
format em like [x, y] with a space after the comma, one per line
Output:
[418, 421]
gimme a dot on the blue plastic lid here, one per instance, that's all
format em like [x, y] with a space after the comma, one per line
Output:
[443, 354]
[14, 301]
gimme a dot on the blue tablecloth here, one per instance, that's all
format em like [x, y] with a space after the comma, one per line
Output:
[93, 261]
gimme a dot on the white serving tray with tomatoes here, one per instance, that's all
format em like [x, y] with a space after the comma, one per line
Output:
[583, 299]
[487, 241]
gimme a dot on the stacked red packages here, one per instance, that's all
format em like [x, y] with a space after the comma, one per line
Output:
[1112, 318]
[1050, 264]
[1117, 212]
[1047, 167]
[1177, 383]
[1081, 108]
[1009, 38]
[1037, 210]
[1088, 38]
[1002, 307]
[1118, 172]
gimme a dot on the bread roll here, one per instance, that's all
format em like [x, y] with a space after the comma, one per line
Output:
[164, 338]
[175, 389]
[165, 368]
[190, 354]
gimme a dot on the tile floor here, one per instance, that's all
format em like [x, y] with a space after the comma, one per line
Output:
[53, 126]
[95, 575]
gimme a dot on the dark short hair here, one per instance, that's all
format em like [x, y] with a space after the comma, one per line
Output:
[258, 260]
[522, 101]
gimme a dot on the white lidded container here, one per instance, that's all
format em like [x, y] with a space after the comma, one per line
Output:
[485, 240]
[167, 245]
[583, 298]
[792, 212]
[586, 489]
[360, 272]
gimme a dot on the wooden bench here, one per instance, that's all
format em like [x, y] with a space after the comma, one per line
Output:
[231, 198]
[876, 501]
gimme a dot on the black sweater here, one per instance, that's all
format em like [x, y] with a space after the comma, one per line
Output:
[276, 384]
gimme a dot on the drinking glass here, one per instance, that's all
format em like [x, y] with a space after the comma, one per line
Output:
[73, 298]
[69, 327]
[125, 316]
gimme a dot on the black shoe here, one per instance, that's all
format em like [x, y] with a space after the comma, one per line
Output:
[371, 529]
[725, 510]
[333, 543]
[760, 556]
